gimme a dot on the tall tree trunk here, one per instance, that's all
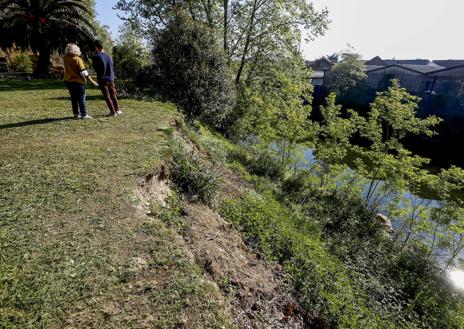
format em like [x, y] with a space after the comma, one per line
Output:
[413, 220]
[43, 63]
[226, 24]
[456, 250]
[433, 241]
[247, 41]
[371, 185]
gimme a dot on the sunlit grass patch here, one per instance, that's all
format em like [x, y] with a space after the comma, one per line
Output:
[69, 228]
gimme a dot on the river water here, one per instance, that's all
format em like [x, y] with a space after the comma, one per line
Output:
[455, 275]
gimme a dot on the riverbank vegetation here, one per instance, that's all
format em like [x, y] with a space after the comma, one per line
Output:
[349, 271]
[316, 218]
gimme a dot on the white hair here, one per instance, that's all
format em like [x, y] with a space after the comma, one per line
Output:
[72, 49]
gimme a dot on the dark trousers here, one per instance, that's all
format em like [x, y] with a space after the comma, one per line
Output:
[108, 90]
[77, 92]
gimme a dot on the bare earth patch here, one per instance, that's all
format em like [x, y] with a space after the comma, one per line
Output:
[256, 292]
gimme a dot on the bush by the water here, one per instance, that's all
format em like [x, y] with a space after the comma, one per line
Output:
[321, 279]
[193, 72]
[397, 282]
[345, 270]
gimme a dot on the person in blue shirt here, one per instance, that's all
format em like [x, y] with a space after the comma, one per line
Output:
[103, 66]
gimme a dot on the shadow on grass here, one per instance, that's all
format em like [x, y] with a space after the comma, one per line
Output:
[39, 84]
[33, 122]
[45, 121]
[87, 97]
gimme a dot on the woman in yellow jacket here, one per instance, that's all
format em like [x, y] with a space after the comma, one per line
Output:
[75, 76]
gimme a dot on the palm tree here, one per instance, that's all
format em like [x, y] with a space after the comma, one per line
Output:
[45, 26]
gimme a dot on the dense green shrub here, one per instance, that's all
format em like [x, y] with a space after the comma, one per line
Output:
[193, 71]
[394, 288]
[357, 278]
[320, 278]
[260, 162]
[402, 285]
[23, 63]
[129, 54]
[127, 61]
[149, 77]
[193, 176]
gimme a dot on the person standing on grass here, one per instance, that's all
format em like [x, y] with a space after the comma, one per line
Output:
[75, 77]
[103, 66]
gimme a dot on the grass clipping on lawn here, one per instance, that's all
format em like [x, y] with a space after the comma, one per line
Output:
[76, 251]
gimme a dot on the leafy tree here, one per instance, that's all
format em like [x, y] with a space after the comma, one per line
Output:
[193, 72]
[392, 117]
[261, 31]
[346, 74]
[254, 33]
[44, 26]
[452, 214]
[129, 54]
[149, 17]
[274, 112]
[333, 143]
[257, 37]
[411, 211]
[448, 217]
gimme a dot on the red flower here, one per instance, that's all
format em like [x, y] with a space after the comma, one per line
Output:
[42, 20]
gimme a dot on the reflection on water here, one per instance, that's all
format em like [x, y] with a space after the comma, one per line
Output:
[457, 278]
[381, 205]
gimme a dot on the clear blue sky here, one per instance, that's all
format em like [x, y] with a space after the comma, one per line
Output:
[108, 16]
[429, 29]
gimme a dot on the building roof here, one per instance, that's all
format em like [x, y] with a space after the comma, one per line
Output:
[369, 68]
[422, 62]
[409, 62]
[449, 62]
[320, 63]
[447, 69]
[423, 68]
[376, 61]
[404, 67]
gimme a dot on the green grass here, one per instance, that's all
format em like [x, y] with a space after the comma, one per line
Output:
[74, 251]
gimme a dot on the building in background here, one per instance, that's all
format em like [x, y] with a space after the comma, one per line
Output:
[439, 83]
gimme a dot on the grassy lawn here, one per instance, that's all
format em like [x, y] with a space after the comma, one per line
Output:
[75, 252]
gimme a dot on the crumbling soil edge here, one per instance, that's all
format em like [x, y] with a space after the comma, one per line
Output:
[255, 292]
